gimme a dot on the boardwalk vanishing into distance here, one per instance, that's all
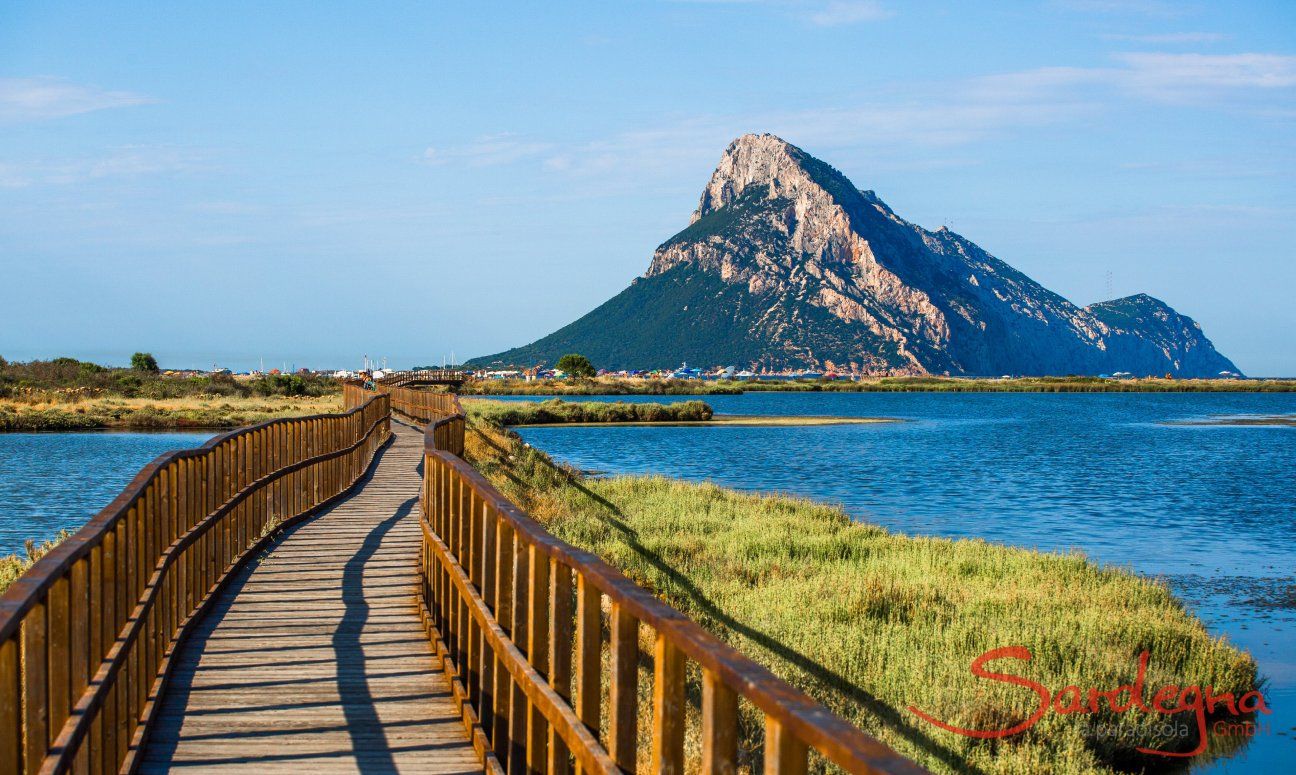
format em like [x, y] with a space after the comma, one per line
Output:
[314, 657]
[344, 593]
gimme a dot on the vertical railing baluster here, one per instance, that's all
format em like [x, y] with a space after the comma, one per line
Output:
[503, 615]
[784, 753]
[668, 708]
[719, 726]
[589, 654]
[538, 653]
[35, 659]
[98, 609]
[560, 654]
[11, 720]
[58, 640]
[623, 732]
[79, 641]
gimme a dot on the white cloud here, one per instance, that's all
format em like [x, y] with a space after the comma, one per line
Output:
[1160, 77]
[1128, 7]
[820, 13]
[906, 128]
[1176, 76]
[129, 161]
[1169, 37]
[841, 12]
[488, 151]
[36, 99]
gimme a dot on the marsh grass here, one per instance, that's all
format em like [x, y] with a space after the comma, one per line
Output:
[870, 622]
[602, 386]
[14, 565]
[56, 413]
[557, 411]
[615, 386]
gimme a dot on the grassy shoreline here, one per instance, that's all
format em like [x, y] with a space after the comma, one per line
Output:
[558, 412]
[616, 386]
[182, 413]
[871, 622]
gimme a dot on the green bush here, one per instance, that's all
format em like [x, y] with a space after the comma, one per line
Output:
[576, 365]
[144, 362]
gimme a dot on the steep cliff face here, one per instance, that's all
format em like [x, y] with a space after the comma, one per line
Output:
[786, 264]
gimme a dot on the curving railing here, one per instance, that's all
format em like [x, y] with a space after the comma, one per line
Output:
[440, 412]
[87, 633]
[521, 621]
[424, 377]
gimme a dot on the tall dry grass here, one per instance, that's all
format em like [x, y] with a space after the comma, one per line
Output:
[871, 622]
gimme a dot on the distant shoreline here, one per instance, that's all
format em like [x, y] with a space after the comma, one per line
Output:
[632, 386]
[723, 420]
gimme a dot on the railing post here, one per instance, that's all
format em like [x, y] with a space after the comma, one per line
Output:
[11, 721]
[560, 653]
[784, 753]
[35, 689]
[589, 654]
[719, 726]
[538, 653]
[623, 732]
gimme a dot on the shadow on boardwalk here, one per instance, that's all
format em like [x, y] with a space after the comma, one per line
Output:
[314, 658]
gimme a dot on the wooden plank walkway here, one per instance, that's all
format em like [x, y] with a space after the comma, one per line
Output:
[314, 660]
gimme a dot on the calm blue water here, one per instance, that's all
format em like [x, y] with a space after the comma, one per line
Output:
[1213, 509]
[55, 481]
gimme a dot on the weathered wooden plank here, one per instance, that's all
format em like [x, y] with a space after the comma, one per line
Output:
[314, 659]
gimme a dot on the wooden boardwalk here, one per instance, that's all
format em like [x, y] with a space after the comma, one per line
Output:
[314, 659]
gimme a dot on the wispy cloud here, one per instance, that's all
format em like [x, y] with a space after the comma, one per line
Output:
[1157, 76]
[820, 13]
[36, 99]
[906, 128]
[488, 151]
[1157, 8]
[1176, 76]
[128, 161]
[1168, 38]
[848, 12]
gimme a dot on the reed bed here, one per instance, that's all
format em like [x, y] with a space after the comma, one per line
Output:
[871, 622]
[557, 411]
[616, 386]
[111, 412]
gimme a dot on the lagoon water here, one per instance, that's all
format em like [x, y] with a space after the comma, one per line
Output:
[55, 481]
[1212, 509]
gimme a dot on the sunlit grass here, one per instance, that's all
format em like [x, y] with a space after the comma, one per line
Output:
[88, 413]
[871, 622]
[557, 411]
[14, 565]
[929, 384]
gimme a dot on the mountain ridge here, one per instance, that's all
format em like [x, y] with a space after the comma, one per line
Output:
[786, 264]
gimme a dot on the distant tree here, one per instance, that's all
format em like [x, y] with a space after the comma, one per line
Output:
[576, 365]
[144, 362]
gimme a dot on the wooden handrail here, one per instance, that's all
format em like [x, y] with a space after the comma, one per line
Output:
[87, 632]
[516, 615]
[423, 377]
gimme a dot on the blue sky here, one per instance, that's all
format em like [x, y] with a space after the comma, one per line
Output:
[310, 182]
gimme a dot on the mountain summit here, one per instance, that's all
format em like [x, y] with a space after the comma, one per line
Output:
[785, 264]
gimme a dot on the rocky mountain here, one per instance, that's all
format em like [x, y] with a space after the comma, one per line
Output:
[786, 264]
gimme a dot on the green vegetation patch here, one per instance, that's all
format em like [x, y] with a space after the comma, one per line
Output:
[872, 622]
[68, 379]
[556, 411]
[14, 565]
